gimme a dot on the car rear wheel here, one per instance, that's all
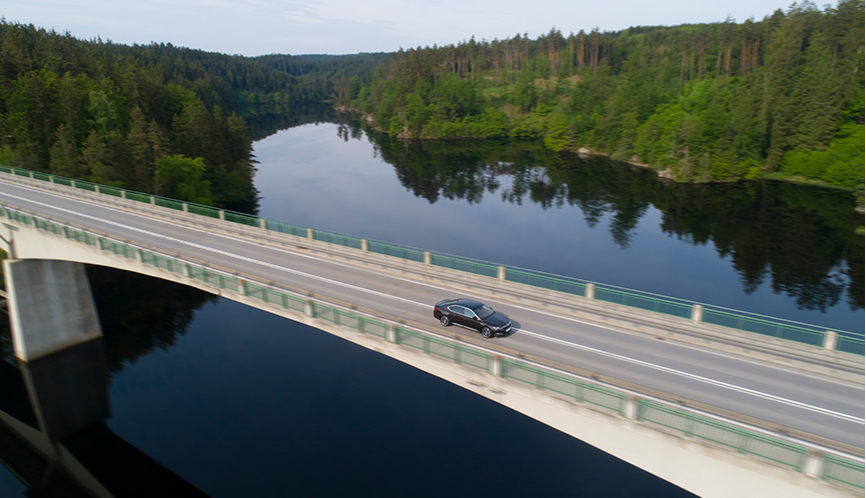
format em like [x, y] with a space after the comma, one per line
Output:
[445, 321]
[486, 333]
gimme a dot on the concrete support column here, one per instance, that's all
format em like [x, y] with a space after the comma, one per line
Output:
[222, 215]
[428, 258]
[500, 273]
[589, 293]
[632, 407]
[50, 306]
[185, 207]
[310, 234]
[697, 313]
[830, 340]
[391, 333]
[365, 246]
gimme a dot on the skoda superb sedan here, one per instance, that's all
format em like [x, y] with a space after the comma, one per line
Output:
[472, 315]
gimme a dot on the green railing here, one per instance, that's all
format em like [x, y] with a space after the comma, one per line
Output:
[443, 349]
[835, 469]
[739, 440]
[841, 470]
[573, 388]
[846, 341]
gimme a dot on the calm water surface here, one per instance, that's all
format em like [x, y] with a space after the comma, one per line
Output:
[767, 247]
[242, 403]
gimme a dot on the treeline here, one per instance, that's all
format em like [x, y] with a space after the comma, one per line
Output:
[702, 102]
[343, 75]
[153, 118]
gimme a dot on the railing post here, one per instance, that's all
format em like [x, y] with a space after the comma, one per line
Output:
[50, 178]
[814, 464]
[96, 187]
[697, 313]
[31, 175]
[309, 310]
[310, 234]
[123, 193]
[185, 207]
[428, 258]
[496, 365]
[365, 246]
[830, 340]
[500, 273]
[263, 223]
[72, 183]
[589, 291]
[222, 215]
[391, 333]
[632, 406]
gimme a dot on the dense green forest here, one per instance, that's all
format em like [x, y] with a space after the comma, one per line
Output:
[704, 102]
[154, 118]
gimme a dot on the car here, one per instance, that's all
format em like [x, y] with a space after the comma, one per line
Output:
[473, 315]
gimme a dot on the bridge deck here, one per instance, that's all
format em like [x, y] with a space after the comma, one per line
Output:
[823, 404]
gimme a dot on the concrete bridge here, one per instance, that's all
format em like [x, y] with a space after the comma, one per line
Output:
[715, 410]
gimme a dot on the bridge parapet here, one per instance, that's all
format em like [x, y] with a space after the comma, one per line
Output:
[494, 370]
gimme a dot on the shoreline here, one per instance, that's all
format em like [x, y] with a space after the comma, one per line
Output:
[585, 152]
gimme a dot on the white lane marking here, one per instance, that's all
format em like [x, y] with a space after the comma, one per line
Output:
[225, 253]
[698, 378]
[409, 301]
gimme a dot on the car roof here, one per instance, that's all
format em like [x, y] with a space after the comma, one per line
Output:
[469, 303]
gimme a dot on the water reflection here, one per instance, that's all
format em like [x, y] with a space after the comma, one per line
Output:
[799, 239]
[53, 435]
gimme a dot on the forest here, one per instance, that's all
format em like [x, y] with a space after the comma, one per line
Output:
[780, 97]
[153, 118]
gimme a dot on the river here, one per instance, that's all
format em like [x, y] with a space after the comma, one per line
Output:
[242, 403]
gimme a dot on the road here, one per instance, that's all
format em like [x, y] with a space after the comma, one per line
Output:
[809, 402]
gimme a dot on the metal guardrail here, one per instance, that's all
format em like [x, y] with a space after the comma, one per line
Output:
[836, 469]
[839, 340]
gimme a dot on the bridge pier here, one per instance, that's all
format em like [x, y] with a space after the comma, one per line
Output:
[50, 306]
[58, 342]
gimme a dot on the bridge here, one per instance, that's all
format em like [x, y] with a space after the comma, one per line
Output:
[719, 402]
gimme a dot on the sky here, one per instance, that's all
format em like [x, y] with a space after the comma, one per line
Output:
[257, 27]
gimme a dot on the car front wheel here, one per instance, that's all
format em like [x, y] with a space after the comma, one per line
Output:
[445, 321]
[486, 332]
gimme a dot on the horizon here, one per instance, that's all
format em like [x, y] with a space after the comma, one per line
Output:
[251, 28]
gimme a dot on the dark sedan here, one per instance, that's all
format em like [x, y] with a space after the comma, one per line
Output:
[472, 315]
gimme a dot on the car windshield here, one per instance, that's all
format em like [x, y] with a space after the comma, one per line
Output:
[484, 311]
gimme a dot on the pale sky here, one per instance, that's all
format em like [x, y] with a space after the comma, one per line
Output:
[256, 27]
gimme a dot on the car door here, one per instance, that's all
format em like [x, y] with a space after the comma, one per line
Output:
[471, 318]
[458, 315]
